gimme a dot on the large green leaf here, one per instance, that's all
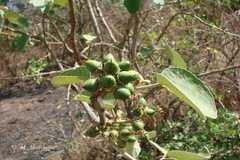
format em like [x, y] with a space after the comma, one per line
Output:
[72, 76]
[61, 3]
[176, 58]
[40, 3]
[133, 5]
[107, 101]
[160, 2]
[190, 89]
[84, 96]
[1, 19]
[132, 149]
[180, 155]
[16, 19]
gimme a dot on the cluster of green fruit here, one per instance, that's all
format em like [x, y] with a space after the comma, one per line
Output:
[122, 133]
[114, 76]
[118, 79]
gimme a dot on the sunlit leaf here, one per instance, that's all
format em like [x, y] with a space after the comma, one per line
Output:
[176, 58]
[16, 19]
[40, 3]
[89, 37]
[133, 149]
[160, 2]
[1, 19]
[107, 102]
[61, 3]
[72, 76]
[84, 96]
[180, 155]
[190, 89]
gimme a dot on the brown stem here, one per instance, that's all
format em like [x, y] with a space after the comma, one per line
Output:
[73, 31]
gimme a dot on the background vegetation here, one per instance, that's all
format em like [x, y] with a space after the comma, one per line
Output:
[40, 38]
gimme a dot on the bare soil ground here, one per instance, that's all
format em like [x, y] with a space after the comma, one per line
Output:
[35, 125]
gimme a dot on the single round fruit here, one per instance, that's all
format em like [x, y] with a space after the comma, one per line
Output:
[138, 112]
[90, 85]
[125, 132]
[124, 65]
[131, 139]
[138, 125]
[149, 111]
[122, 93]
[130, 86]
[142, 102]
[113, 133]
[108, 57]
[107, 81]
[93, 65]
[111, 67]
[128, 76]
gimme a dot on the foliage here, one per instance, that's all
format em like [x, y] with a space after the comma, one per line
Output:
[113, 88]
[36, 67]
[220, 137]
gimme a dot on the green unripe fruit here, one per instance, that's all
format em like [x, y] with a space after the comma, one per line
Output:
[113, 133]
[93, 65]
[138, 112]
[121, 143]
[142, 102]
[90, 85]
[149, 111]
[124, 65]
[107, 81]
[115, 125]
[125, 132]
[111, 67]
[128, 76]
[138, 125]
[131, 139]
[130, 86]
[122, 93]
[108, 57]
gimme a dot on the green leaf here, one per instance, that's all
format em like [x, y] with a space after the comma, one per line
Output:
[89, 38]
[40, 3]
[161, 2]
[163, 150]
[84, 96]
[20, 42]
[1, 19]
[71, 76]
[133, 149]
[107, 102]
[133, 5]
[182, 155]
[62, 3]
[176, 58]
[16, 19]
[190, 89]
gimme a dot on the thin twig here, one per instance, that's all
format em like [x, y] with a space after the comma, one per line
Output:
[104, 21]
[216, 27]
